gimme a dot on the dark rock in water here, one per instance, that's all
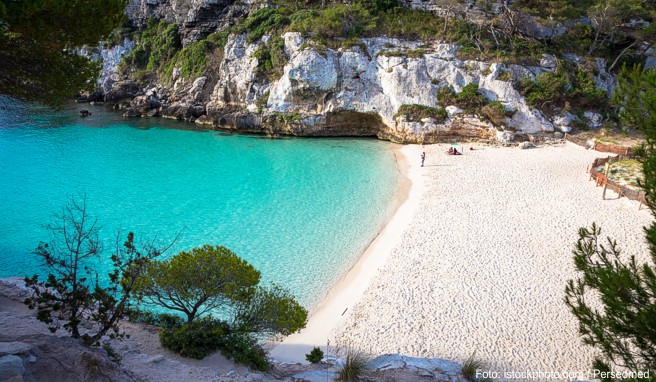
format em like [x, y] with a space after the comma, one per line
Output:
[97, 96]
[122, 91]
[84, 113]
[132, 113]
[81, 99]
[183, 111]
[145, 103]
[153, 113]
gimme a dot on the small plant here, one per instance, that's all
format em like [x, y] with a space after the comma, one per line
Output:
[470, 367]
[469, 99]
[505, 76]
[416, 113]
[244, 349]
[112, 353]
[496, 112]
[315, 356]
[355, 366]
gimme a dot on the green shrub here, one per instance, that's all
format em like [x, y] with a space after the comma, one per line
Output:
[315, 356]
[414, 53]
[576, 87]
[339, 21]
[378, 6]
[263, 21]
[496, 112]
[409, 24]
[197, 339]
[355, 365]
[164, 43]
[416, 113]
[469, 99]
[245, 350]
[161, 320]
[271, 57]
[548, 87]
[505, 76]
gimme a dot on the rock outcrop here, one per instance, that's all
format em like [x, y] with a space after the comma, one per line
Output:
[358, 91]
[196, 19]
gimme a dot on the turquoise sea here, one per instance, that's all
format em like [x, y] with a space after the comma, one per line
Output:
[299, 210]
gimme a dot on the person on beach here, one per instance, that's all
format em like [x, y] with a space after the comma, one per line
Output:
[423, 158]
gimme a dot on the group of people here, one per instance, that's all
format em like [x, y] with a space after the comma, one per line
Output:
[452, 151]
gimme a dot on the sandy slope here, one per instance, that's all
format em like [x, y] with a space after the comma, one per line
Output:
[483, 262]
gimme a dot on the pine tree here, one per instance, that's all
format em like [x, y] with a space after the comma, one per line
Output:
[39, 60]
[624, 329]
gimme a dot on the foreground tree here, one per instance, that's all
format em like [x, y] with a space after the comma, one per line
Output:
[38, 41]
[197, 281]
[209, 278]
[269, 311]
[72, 293]
[624, 329]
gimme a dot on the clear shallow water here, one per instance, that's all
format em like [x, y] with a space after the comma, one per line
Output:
[299, 210]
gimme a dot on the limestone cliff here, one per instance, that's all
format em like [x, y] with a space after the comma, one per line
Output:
[356, 90]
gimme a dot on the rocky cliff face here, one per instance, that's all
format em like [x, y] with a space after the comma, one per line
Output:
[196, 18]
[358, 91]
[354, 91]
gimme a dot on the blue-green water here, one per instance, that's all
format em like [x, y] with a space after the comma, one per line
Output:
[299, 210]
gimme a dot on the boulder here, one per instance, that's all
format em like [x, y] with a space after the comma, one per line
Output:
[183, 111]
[122, 91]
[549, 61]
[132, 113]
[8, 348]
[315, 376]
[564, 121]
[505, 136]
[453, 111]
[197, 85]
[525, 145]
[593, 120]
[11, 368]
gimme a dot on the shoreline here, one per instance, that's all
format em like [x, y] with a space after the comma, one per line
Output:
[336, 306]
[483, 265]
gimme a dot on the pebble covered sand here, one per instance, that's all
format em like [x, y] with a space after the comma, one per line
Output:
[483, 264]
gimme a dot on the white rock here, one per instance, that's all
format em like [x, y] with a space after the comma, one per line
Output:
[197, 85]
[549, 61]
[505, 136]
[594, 120]
[563, 121]
[453, 111]
[361, 79]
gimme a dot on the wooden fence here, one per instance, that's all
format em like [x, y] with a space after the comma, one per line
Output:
[623, 150]
[602, 180]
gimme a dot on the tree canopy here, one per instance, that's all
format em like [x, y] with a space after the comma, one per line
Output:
[197, 281]
[39, 41]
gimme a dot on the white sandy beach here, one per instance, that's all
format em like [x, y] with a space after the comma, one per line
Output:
[476, 259]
